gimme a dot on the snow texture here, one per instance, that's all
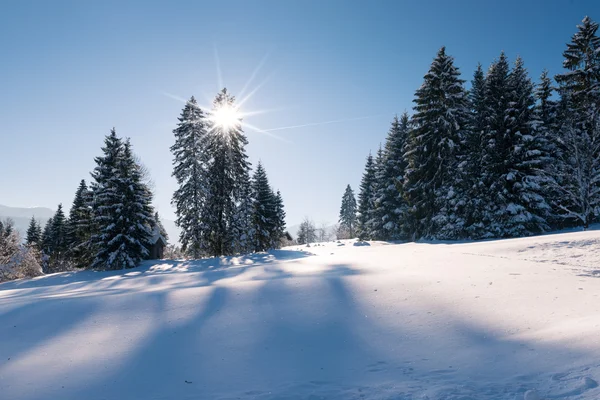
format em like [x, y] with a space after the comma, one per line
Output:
[513, 319]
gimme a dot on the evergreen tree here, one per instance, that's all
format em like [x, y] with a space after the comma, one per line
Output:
[190, 165]
[58, 241]
[34, 234]
[390, 189]
[228, 172]
[265, 210]
[79, 227]
[123, 210]
[376, 214]
[279, 232]
[365, 198]
[577, 174]
[348, 211]
[243, 229]
[47, 238]
[431, 180]
[471, 160]
[515, 154]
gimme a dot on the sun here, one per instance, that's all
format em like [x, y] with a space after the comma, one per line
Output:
[226, 117]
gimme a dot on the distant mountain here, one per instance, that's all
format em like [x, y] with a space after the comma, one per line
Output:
[21, 216]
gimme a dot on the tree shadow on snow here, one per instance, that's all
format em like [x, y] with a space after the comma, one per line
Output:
[296, 338]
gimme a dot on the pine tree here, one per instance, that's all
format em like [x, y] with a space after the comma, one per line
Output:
[243, 229]
[431, 180]
[390, 190]
[47, 238]
[578, 142]
[279, 230]
[79, 227]
[348, 211]
[265, 211]
[34, 234]
[227, 173]
[58, 241]
[376, 214]
[365, 199]
[471, 160]
[122, 208]
[527, 209]
[190, 170]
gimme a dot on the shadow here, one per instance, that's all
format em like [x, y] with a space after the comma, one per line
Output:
[156, 267]
[285, 334]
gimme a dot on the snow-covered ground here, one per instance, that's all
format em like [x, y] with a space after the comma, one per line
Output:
[489, 320]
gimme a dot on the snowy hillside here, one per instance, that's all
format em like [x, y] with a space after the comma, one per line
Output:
[490, 320]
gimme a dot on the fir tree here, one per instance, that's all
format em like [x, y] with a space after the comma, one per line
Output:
[376, 214]
[577, 174]
[279, 232]
[34, 234]
[265, 210]
[227, 174]
[123, 212]
[47, 238]
[432, 183]
[365, 198]
[347, 219]
[79, 227]
[190, 165]
[390, 189]
[58, 241]
[471, 160]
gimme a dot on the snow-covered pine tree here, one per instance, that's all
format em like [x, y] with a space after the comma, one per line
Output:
[547, 112]
[227, 174]
[365, 199]
[347, 220]
[58, 241]
[243, 228]
[471, 159]
[79, 227]
[47, 238]
[107, 201]
[34, 234]
[527, 209]
[514, 155]
[432, 180]
[578, 141]
[265, 213]
[279, 231]
[190, 165]
[122, 208]
[390, 191]
[377, 212]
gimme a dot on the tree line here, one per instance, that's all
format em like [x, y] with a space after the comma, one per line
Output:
[221, 209]
[505, 158]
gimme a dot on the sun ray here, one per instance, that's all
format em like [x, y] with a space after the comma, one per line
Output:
[274, 136]
[254, 73]
[336, 121]
[218, 64]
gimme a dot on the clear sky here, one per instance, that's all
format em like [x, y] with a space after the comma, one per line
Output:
[70, 71]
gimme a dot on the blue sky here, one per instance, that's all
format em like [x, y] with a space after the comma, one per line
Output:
[70, 71]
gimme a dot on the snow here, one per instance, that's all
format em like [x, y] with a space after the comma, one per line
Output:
[513, 319]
